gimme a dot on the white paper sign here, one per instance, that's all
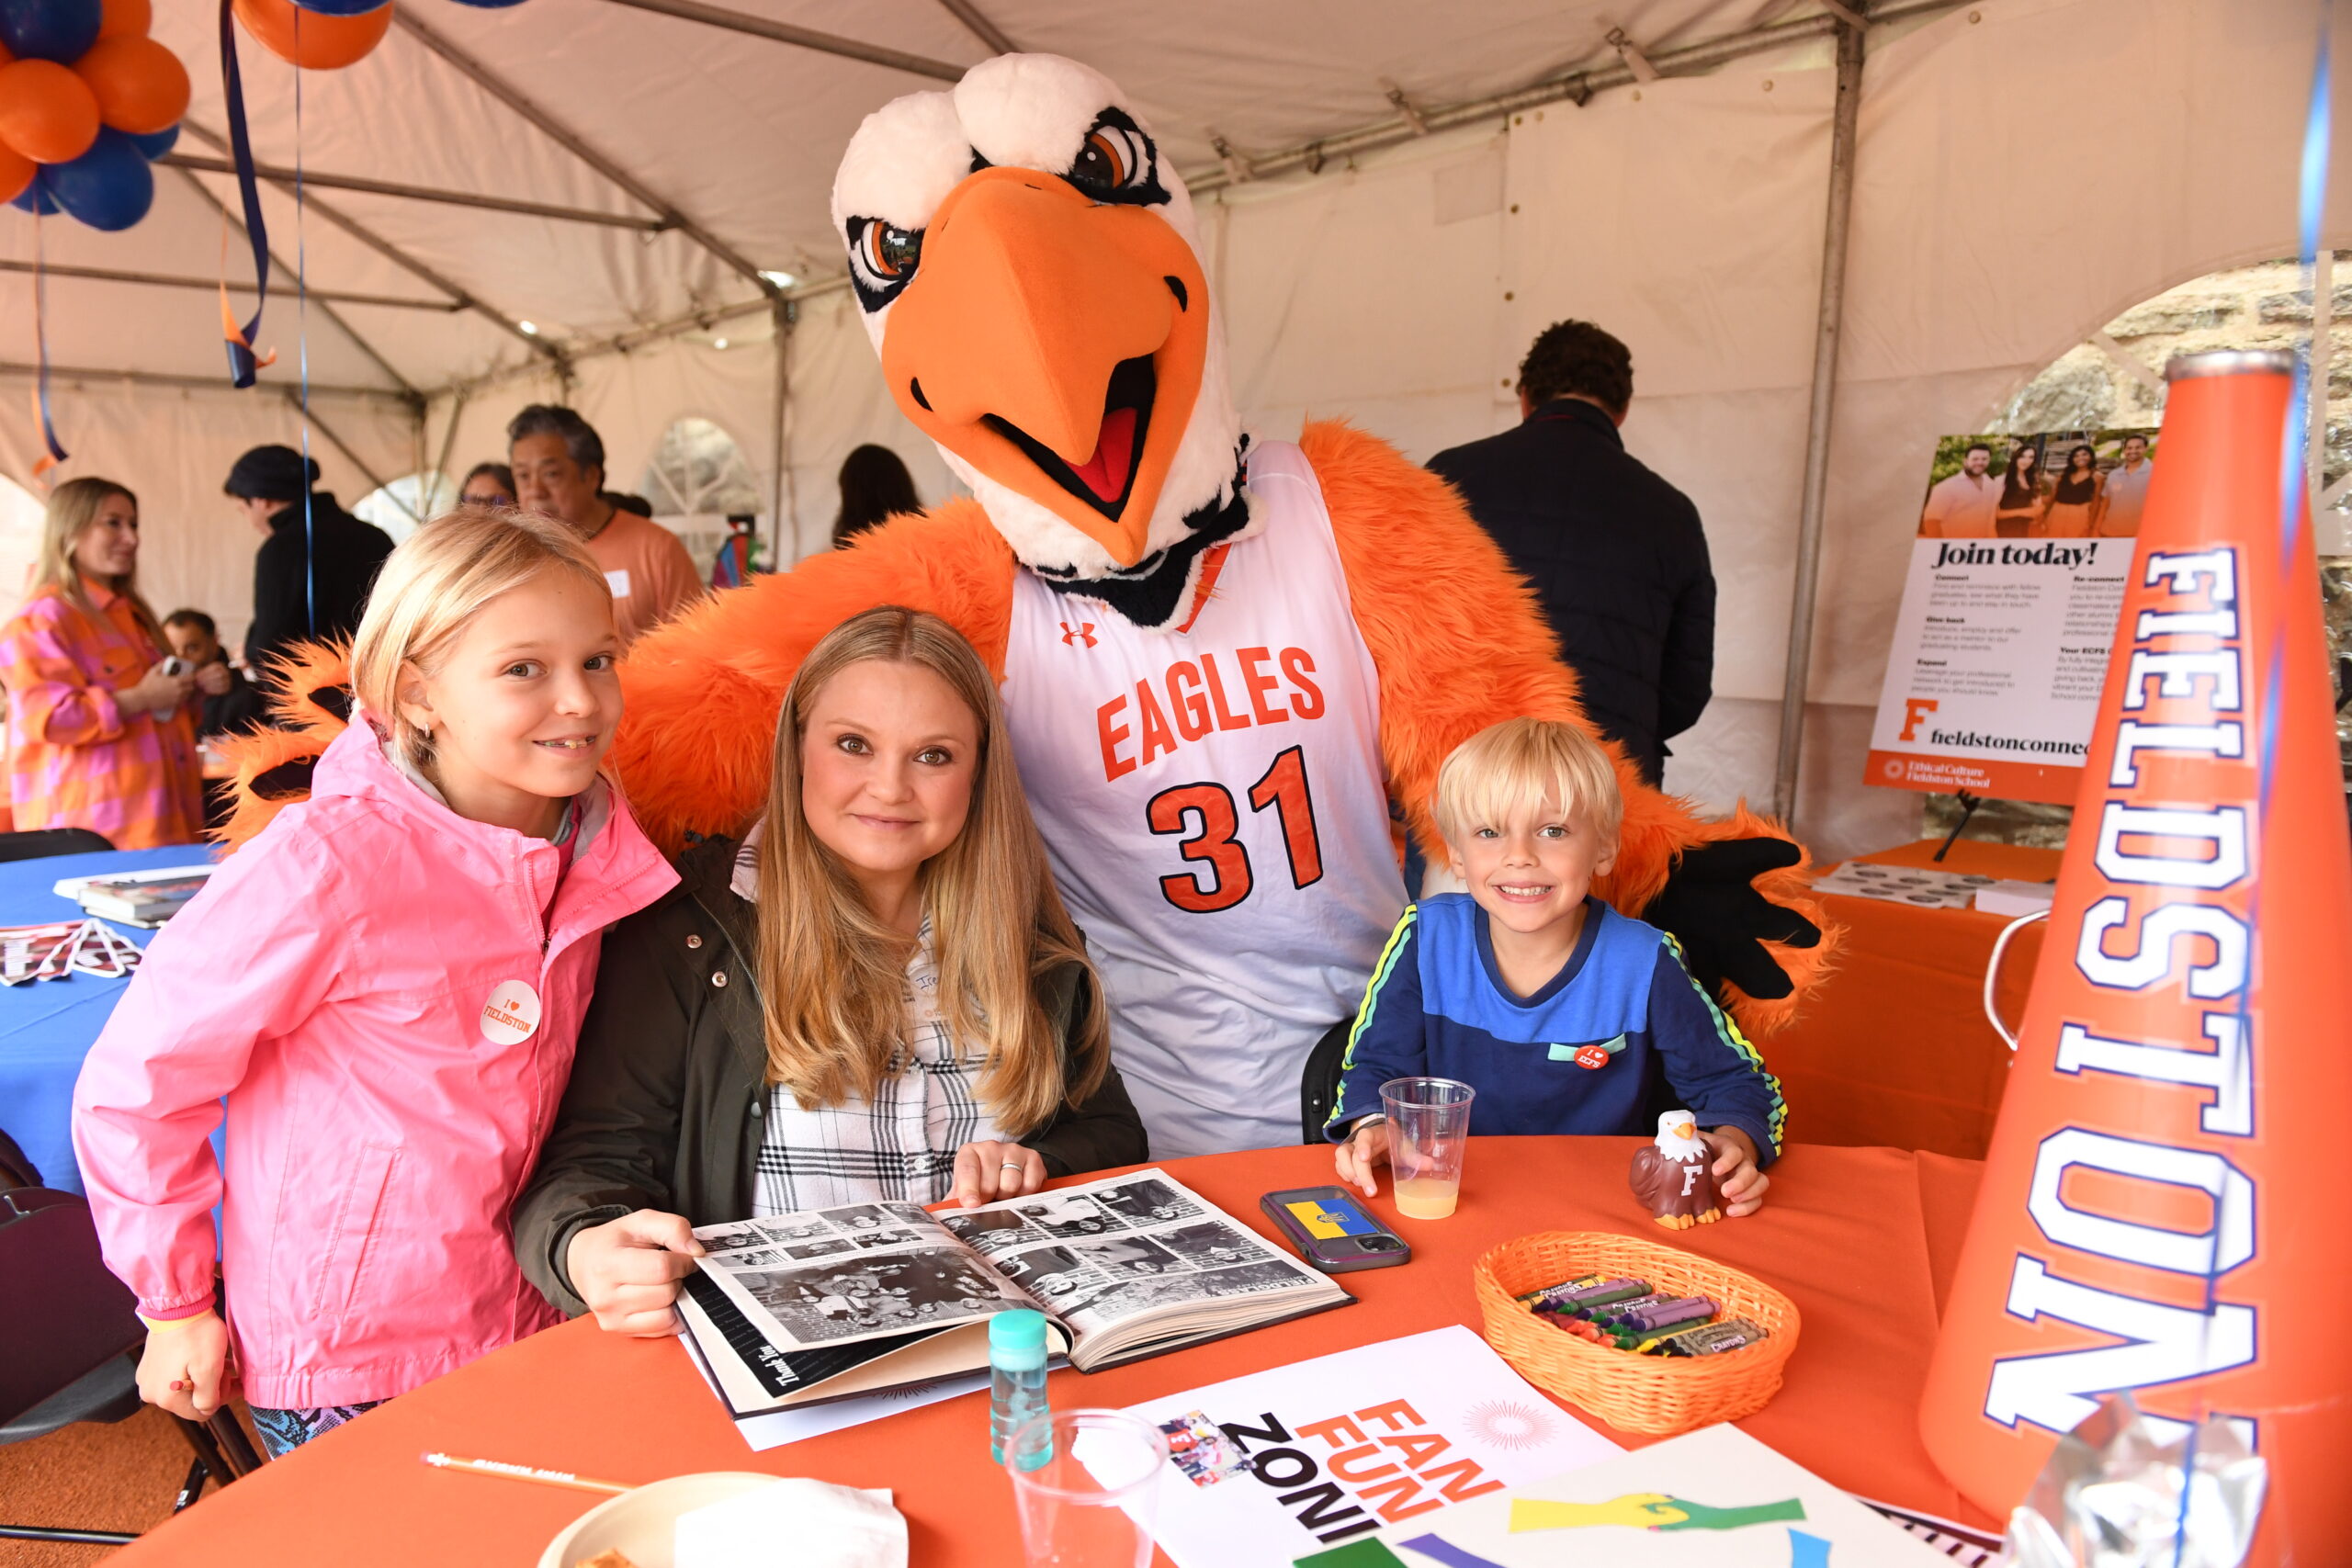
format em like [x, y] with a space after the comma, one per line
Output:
[618, 583]
[1350, 1443]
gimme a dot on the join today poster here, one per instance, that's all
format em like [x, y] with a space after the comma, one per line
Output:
[2016, 572]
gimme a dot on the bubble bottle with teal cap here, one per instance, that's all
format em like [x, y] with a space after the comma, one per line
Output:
[1017, 1384]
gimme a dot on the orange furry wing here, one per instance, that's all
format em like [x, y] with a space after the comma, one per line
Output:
[1460, 644]
[305, 730]
[703, 690]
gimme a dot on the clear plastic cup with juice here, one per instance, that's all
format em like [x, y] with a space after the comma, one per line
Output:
[1429, 1126]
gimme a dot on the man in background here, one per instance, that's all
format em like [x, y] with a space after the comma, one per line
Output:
[558, 462]
[316, 562]
[2125, 495]
[1616, 554]
[1961, 505]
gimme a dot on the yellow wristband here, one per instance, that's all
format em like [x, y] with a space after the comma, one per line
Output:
[166, 1324]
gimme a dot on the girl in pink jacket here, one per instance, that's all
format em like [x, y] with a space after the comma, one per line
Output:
[385, 986]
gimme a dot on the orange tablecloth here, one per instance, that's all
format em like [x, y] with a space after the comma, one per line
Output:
[1859, 1238]
[1894, 1049]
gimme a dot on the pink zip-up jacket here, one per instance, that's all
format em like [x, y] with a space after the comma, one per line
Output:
[334, 982]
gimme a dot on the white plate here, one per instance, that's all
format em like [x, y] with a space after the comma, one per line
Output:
[643, 1523]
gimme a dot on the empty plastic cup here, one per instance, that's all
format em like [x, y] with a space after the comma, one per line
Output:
[1088, 1485]
[1429, 1125]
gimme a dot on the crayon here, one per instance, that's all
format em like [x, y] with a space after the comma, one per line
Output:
[1707, 1339]
[1604, 1312]
[1578, 1284]
[1595, 1292]
[1686, 1309]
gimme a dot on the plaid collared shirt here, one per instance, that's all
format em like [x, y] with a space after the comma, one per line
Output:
[899, 1146]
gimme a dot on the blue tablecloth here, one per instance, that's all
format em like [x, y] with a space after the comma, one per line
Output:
[47, 1026]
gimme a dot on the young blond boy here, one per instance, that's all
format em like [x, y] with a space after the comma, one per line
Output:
[1562, 1013]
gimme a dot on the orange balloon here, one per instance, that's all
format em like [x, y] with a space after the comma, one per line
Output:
[16, 171]
[326, 43]
[47, 113]
[140, 86]
[124, 19]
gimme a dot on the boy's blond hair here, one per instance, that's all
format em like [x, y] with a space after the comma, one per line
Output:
[439, 579]
[1510, 769]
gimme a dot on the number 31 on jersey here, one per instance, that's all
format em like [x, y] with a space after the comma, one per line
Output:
[1223, 876]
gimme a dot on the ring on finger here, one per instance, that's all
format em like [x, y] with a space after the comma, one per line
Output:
[1010, 1165]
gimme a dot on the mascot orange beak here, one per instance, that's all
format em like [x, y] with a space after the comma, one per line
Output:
[1056, 343]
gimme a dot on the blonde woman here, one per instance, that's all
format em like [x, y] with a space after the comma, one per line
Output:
[384, 985]
[99, 736]
[875, 996]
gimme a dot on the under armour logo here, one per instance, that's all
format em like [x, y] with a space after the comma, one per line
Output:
[1082, 631]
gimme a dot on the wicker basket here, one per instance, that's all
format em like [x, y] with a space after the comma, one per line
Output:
[1664, 1394]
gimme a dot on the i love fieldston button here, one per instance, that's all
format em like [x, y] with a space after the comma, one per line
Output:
[512, 1014]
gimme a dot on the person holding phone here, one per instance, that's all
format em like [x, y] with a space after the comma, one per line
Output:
[101, 726]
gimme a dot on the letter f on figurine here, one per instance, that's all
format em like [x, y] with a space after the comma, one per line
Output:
[1673, 1176]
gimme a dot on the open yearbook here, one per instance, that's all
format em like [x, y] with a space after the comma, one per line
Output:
[821, 1306]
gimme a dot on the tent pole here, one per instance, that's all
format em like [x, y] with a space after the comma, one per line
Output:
[563, 136]
[450, 436]
[800, 37]
[194, 383]
[783, 317]
[276, 176]
[977, 23]
[294, 401]
[325, 309]
[169, 280]
[1844, 125]
[375, 243]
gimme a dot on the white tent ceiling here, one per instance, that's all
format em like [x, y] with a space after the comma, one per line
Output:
[2028, 168]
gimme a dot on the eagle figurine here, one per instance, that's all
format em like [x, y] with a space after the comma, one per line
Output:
[1230, 667]
[1674, 1175]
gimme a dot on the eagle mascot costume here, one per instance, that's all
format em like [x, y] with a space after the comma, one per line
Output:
[1230, 667]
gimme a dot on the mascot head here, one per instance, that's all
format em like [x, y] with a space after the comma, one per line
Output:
[1030, 273]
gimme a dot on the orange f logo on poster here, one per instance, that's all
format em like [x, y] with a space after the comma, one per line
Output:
[2150, 1218]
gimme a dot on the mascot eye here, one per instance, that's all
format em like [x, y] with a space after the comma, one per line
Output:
[1117, 162]
[882, 259]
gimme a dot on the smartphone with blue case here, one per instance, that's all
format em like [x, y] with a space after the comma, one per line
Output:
[1333, 1231]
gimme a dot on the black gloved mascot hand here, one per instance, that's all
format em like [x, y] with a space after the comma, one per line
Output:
[1711, 906]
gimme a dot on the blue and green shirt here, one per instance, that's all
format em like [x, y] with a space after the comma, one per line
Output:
[1580, 1056]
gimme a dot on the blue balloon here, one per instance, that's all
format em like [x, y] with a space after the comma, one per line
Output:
[155, 143]
[109, 188]
[61, 30]
[35, 198]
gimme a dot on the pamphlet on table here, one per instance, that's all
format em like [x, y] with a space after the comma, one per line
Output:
[1713, 1498]
[865, 1297]
[1274, 1467]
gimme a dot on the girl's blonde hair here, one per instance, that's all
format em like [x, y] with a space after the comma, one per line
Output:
[73, 508]
[832, 977]
[438, 579]
[1508, 770]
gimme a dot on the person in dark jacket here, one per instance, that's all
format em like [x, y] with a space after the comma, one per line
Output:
[195, 638]
[875, 996]
[1616, 554]
[316, 562]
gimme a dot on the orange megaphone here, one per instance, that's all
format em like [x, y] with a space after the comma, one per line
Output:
[2164, 1208]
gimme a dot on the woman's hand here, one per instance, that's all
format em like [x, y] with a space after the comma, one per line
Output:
[213, 680]
[155, 693]
[1738, 1182]
[183, 1368]
[987, 1171]
[628, 1272]
[1367, 1146]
